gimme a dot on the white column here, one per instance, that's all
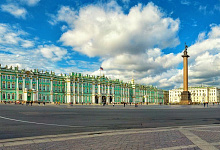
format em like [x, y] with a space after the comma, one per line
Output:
[25, 95]
[108, 94]
[37, 89]
[113, 93]
[51, 90]
[74, 92]
[78, 90]
[93, 92]
[128, 95]
[99, 93]
[23, 83]
[134, 100]
[68, 100]
[17, 89]
[82, 92]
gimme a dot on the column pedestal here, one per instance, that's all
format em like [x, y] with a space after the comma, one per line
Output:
[185, 98]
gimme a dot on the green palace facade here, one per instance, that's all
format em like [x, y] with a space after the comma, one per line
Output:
[28, 85]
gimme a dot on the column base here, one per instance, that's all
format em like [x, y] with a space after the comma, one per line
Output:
[185, 98]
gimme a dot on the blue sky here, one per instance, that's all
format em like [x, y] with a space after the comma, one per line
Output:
[144, 39]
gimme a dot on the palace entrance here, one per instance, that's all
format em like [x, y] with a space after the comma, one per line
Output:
[110, 99]
[103, 99]
[96, 99]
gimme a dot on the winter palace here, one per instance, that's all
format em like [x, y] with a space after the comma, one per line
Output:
[28, 85]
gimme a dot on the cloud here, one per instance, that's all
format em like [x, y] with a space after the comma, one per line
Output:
[52, 52]
[64, 14]
[11, 35]
[185, 2]
[14, 10]
[107, 31]
[29, 2]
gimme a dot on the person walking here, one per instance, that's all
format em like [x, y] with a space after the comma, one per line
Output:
[113, 104]
[124, 104]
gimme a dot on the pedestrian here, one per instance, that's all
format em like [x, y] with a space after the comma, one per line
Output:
[124, 104]
[31, 103]
[213, 103]
[207, 104]
[113, 104]
[204, 104]
[44, 103]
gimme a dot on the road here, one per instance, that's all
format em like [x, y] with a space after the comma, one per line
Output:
[26, 121]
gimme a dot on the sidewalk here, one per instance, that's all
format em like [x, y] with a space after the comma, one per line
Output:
[204, 137]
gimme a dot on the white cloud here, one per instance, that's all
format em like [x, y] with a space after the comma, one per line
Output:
[185, 2]
[14, 10]
[104, 31]
[29, 2]
[64, 14]
[52, 52]
[11, 35]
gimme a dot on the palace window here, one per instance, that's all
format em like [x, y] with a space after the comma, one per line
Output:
[48, 98]
[20, 86]
[27, 86]
[13, 96]
[40, 87]
[27, 79]
[8, 96]
[43, 80]
[40, 80]
[20, 96]
[34, 86]
[39, 96]
[20, 78]
[3, 84]
[13, 85]
[43, 87]
[34, 79]
[13, 77]
[9, 77]
[58, 82]
[3, 76]
[3, 95]
[48, 88]
[43, 97]
[8, 85]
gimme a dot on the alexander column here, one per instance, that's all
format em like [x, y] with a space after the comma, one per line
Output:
[185, 95]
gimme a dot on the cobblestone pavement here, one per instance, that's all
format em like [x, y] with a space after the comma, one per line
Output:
[206, 137]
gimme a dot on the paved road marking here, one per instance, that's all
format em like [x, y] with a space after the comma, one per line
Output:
[39, 123]
[197, 140]
[177, 147]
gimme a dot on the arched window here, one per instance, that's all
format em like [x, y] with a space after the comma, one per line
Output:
[13, 96]
[3, 95]
[8, 96]
[40, 87]
[3, 84]
[20, 96]
[34, 86]
[8, 85]
[20, 86]
[48, 88]
[13, 85]
[43, 87]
